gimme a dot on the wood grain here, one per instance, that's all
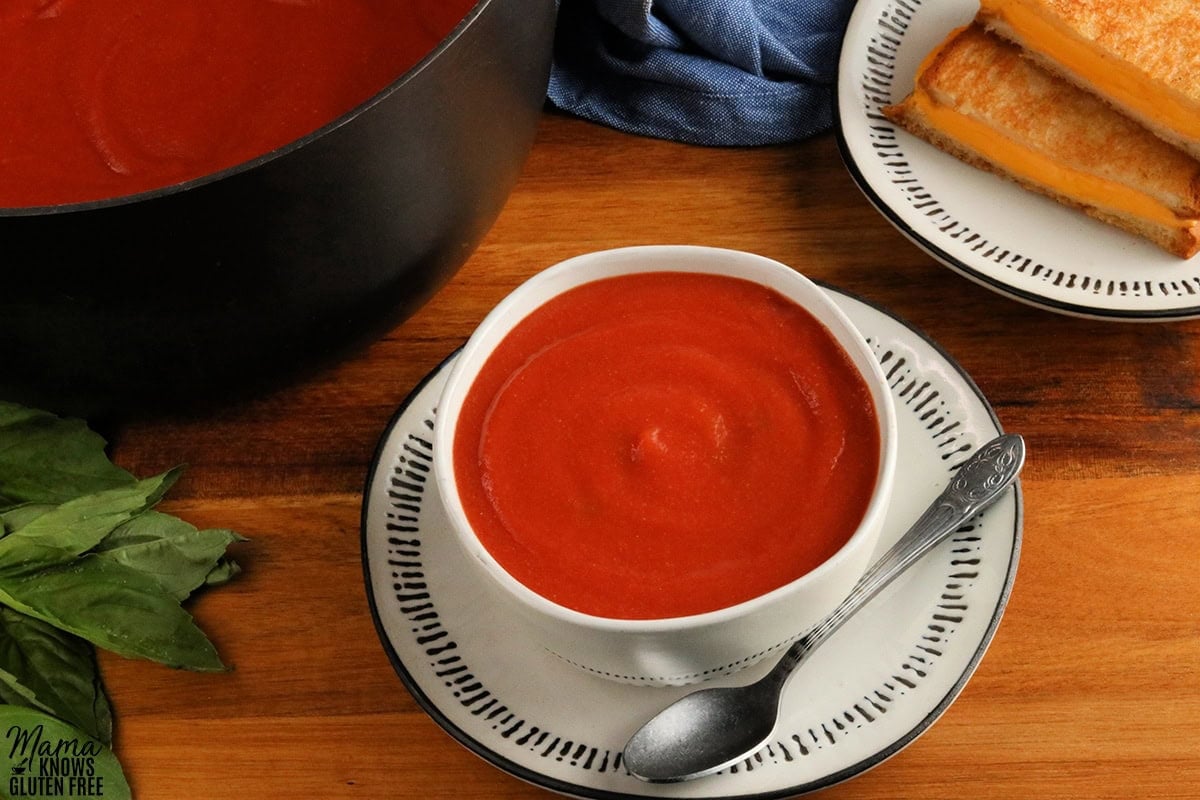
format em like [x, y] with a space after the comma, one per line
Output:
[1090, 689]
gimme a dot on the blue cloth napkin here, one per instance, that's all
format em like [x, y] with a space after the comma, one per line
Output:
[713, 72]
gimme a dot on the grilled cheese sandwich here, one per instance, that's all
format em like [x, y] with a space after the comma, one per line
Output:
[977, 98]
[1142, 57]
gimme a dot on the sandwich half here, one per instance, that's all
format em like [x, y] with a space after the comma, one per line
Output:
[1142, 56]
[977, 98]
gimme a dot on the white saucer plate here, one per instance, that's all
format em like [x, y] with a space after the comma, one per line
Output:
[869, 692]
[985, 227]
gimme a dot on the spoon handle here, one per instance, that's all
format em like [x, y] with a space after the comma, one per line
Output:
[977, 483]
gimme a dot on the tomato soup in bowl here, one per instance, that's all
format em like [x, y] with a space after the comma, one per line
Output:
[671, 460]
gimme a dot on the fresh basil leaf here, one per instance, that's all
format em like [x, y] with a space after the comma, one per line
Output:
[173, 551]
[48, 459]
[53, 671]
[41, 756]
[14, 693]
[78, 525]
[224, 571]
[114, 607]
[19, 516]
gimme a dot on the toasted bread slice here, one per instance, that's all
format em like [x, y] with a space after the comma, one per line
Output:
[977, 98]
[1142, 56]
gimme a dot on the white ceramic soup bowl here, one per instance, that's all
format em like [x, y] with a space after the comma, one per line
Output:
[683, 649]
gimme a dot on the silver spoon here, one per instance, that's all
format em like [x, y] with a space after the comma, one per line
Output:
[711, 729]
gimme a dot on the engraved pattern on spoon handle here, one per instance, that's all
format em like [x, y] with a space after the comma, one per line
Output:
[978, 482]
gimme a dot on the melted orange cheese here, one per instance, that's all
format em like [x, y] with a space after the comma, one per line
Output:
[1122, 82]
[1036, 168]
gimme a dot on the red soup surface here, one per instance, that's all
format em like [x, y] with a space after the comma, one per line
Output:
[665, 444]
[105, 98]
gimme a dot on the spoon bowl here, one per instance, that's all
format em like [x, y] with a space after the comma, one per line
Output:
[667, 750]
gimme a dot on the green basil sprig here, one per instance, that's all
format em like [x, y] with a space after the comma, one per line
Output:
[86, 560]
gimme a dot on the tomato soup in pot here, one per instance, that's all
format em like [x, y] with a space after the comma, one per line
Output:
[663, 444]
[107, 99]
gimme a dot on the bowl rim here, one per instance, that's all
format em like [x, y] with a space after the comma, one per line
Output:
[581, 269]
[474, 12]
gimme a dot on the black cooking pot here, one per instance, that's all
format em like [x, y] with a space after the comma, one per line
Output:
[219, 284]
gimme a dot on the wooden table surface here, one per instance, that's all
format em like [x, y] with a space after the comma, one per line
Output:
[1091, 687]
